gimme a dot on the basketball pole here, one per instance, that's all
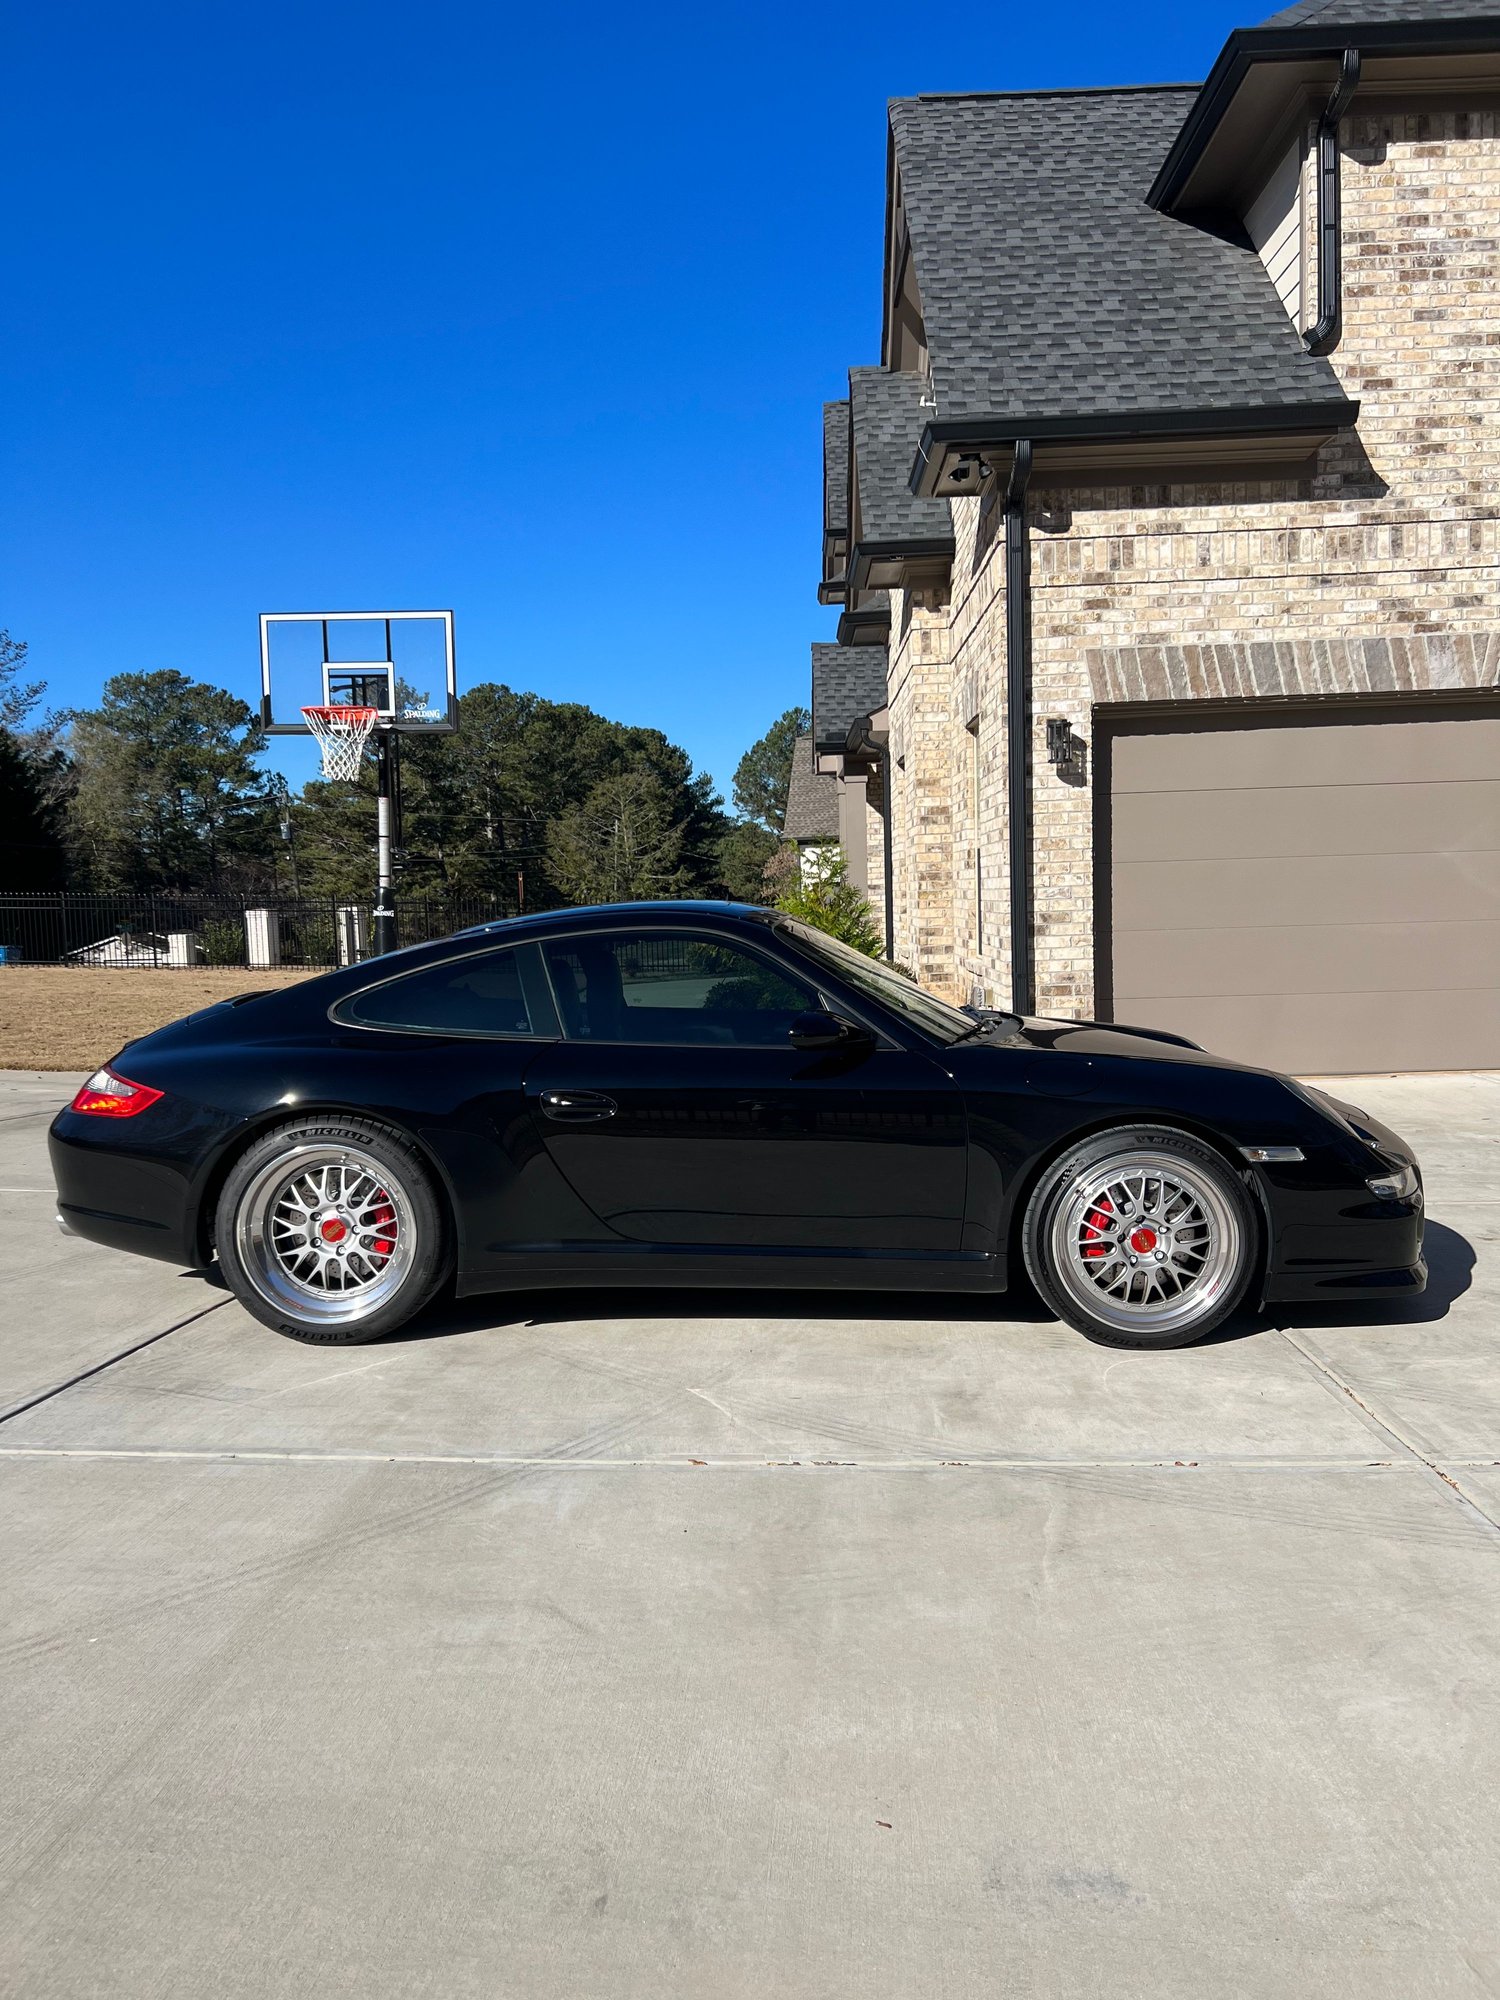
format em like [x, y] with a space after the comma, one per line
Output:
[385, 895]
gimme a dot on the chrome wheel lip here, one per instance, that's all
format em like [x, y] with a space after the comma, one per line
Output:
[268, 1268]
[1203, 1242]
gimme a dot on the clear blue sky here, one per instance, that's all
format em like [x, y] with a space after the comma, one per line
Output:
[527, 311]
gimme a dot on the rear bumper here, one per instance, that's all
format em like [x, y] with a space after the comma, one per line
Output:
[120, 1199]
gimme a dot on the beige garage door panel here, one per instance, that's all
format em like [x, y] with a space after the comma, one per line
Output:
[1323, 1034]
[1318, 897]
[1330, 889]
[1308, 820]
[1355, 753]
[1353, 958]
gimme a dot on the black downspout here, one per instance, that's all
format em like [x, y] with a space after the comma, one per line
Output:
[1324, 336]
[890, 879]
[1018, 726]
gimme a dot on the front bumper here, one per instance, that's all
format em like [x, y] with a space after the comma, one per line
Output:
[1335, 1239]
[1349, 1286]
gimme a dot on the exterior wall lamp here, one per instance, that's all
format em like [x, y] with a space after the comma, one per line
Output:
[1065, 751]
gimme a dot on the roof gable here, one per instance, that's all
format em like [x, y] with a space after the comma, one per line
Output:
[835, 502]
[1051, 291]
[1265, 76]
[848, 683]
[812, 800]
[1377, 13]
[888, 411]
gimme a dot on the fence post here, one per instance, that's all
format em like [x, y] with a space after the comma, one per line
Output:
[353, 934]
[263, 939]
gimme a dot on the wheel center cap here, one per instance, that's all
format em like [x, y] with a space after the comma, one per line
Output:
[333, 1229]
[1142, 1240]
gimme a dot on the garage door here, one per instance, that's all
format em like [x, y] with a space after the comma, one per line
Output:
[1318, 896]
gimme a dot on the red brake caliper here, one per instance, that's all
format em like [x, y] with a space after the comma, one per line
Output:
[385, 1222]
[1095, 1223]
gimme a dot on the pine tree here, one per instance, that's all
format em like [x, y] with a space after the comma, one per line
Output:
[820, 893]
[32, 855]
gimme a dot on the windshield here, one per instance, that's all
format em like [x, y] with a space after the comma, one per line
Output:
[882, 983]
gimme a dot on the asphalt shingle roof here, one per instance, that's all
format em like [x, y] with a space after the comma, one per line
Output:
[812, 801]
[1050, 289]
[847, 682]
[1379, 13]
[836, 468]
[888, 417]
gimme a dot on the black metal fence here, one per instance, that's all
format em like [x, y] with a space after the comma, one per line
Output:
[170, 932]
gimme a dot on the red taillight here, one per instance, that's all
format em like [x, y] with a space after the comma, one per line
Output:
[106, 1095]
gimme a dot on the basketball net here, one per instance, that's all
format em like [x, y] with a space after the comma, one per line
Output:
[342, 734]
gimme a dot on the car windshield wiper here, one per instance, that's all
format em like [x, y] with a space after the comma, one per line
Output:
[986, 1023]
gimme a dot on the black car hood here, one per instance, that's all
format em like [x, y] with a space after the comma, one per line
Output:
[1106, 1038]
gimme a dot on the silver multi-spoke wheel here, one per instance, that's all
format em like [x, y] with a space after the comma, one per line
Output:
[327, 1233]
[1145, 1242]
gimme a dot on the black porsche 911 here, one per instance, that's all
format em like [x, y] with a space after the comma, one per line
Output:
[707, 1093]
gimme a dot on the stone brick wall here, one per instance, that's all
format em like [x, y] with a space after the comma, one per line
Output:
[922, 783]
[875, 847]
[1377, 573]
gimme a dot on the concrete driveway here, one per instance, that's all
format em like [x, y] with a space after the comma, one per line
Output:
[631, 1645]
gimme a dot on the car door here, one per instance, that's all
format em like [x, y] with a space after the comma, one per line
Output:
[678, 1110]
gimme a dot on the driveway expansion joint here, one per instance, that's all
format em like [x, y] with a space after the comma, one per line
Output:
[1228, 1462]
[111, 1361]
[1387, 1427]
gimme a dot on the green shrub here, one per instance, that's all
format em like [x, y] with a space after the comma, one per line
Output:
[820, 893]
[222, 941]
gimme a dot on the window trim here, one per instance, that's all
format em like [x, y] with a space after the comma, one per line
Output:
[832, 1003]
[488, 950]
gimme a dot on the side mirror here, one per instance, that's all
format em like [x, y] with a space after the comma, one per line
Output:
[826, 1031]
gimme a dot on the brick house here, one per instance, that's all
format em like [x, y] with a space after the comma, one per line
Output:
[1165, 542]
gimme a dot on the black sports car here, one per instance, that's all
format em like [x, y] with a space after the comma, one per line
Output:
[706, 1093]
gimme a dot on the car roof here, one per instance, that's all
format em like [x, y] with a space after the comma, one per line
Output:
[682, 909]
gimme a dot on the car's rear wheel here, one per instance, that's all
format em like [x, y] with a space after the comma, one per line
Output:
[1141, 1237]
[332, 1231]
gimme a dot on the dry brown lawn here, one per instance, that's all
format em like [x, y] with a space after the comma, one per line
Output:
[76, 1017]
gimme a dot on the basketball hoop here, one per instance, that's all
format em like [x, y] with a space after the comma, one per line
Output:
[342, 734]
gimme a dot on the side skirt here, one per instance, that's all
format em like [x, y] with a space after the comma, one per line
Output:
[568, 1264]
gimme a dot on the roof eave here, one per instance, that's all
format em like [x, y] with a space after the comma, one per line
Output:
[1126, 446]
[1248, 47]
[885, 565]
[864, 626]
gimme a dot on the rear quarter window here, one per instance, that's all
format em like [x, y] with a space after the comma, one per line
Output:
[499, 993]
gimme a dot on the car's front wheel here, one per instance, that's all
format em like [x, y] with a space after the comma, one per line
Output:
[331, 1230]
[1141, 1237]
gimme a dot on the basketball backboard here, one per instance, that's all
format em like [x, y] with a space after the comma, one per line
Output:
[312, 659]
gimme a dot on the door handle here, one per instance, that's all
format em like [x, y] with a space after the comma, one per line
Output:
[578, 1107]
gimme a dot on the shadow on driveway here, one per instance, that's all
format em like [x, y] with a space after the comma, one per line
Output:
[1450, 1267]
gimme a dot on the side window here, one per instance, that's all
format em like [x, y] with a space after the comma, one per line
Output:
[672, 990]
[490, 993]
